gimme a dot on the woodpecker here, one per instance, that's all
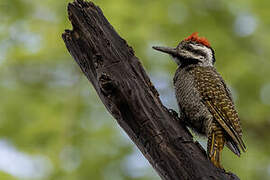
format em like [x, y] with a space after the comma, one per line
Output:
[204, 98]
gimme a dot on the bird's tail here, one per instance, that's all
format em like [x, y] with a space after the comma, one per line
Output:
[233, 147]
[215, 144]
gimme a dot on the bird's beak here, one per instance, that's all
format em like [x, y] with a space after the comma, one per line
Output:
[168, 50]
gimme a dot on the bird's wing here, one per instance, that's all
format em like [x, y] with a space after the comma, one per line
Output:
[217, 98]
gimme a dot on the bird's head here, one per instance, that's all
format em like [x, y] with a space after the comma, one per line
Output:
[192, 50]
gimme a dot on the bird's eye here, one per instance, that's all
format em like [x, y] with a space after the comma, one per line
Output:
[189, 48]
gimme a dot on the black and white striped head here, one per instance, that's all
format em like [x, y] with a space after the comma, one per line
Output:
[192, 50]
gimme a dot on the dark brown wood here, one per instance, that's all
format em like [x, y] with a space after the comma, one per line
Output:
[128, 94]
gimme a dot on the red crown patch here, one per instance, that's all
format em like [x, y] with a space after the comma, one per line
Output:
[194, 37]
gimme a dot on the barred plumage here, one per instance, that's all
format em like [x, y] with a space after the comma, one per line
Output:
[216, 97]
[204, 98]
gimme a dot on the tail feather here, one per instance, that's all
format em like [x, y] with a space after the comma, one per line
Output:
[233, 147]
[215, 146]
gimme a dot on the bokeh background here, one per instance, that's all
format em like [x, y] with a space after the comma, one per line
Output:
[52, 124]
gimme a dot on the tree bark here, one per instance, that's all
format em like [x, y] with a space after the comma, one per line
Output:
[128, 94]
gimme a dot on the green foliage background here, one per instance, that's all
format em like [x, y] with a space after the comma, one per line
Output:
[50, 114]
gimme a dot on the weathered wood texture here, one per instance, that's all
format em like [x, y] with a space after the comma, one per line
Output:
[128, 94]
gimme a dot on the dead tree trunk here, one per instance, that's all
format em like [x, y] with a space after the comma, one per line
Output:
[126, 91]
